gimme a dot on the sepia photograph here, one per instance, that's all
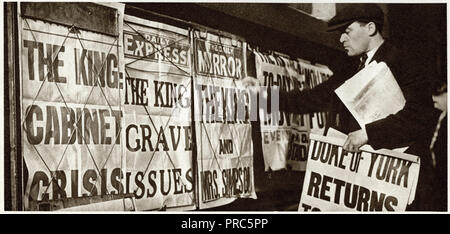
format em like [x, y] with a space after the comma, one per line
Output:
[206, 107]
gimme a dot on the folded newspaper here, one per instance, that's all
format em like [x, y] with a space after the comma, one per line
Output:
[372, 94]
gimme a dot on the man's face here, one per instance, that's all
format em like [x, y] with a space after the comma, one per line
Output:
[355, 39]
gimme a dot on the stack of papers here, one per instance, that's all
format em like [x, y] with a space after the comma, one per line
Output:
[372, 94]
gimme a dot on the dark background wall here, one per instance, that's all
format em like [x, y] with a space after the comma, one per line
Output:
[422, 29]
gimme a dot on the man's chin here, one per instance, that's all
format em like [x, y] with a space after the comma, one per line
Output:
[351, 54]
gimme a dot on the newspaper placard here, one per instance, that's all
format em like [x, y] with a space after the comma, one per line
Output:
[284, 135]
[71, 83]
[337, 180]
[223, 130]
[157, 115]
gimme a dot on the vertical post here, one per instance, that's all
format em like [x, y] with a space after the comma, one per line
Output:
[193, 124]
[13, 151]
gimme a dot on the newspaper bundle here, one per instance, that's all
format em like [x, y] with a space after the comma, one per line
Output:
[366, 94]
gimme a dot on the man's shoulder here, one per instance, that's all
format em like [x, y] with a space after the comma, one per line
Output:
[390, 53]
[405, 65]
[397, 58]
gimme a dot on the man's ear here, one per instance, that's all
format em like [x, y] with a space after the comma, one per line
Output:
[372, 28]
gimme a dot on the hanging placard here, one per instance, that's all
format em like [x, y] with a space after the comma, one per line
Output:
[225, 149]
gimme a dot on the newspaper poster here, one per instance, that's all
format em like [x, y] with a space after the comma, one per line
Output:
[337, 180]
[157, 115]
[284, 135]
[315, 75]
[223, 130]
[71, 80]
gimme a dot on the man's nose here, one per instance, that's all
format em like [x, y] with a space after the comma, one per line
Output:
[342, 38]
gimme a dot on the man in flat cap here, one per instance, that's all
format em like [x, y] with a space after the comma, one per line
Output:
[360, 26]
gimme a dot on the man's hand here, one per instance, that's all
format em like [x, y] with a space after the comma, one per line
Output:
[249, 82]
[253, 85]
[355, 140]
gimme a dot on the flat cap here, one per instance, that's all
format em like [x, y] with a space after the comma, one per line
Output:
[369, 12]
